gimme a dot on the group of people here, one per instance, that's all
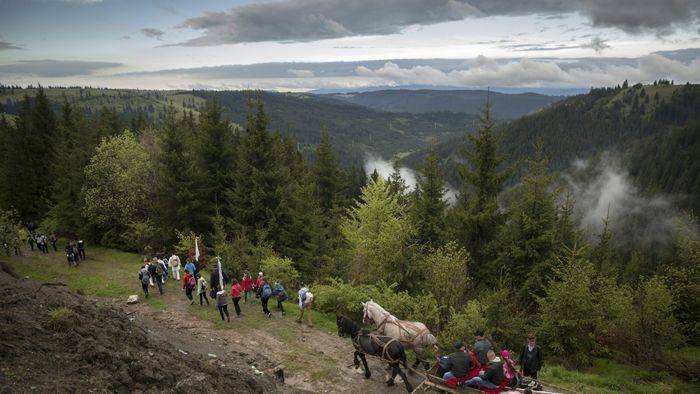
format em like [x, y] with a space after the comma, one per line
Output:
[75, 251]
[155, 272]
[481, 367]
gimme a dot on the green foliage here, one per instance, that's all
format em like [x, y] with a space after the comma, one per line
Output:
[379, 233]
[343, 298]
[282, 269]
[506, 321]
[429, 206]
[476, 218]
[447, 277]
[8, 225]
[657, 328]
[461, 324]
[118, 183]
[568, 313]
[142, 236]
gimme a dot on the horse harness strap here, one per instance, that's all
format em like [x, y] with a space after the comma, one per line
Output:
[385, 346]
[411, 336]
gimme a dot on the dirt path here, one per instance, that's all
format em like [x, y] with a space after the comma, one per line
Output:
[313, 359]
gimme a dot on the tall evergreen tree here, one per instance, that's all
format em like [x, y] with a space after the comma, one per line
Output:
[255, 195]
[530, 237]
[326, 175]
[429, 205]
[215, 159]
[179, 207]
[72, 155]
[476, 218]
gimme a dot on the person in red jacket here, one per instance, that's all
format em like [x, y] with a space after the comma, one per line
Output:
[247, 285]
[236, 290]
[189, 283]
[258, 282]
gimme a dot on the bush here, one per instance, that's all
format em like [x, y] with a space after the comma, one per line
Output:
[344, 299]
[282, 269]
[462, 324]
[61, 319]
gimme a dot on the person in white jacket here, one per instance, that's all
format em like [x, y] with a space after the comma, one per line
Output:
[174, 263]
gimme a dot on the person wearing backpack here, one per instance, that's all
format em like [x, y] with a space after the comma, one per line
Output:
[265, 292]
[222, 303]
[202, 290]
[156, 271]
[143, 277]
[306, 299]
[189, 283]
[281, 295]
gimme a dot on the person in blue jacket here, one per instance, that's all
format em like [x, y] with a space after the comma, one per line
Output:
[281, 295]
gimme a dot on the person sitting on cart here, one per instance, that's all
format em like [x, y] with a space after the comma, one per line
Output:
[456, 365]
[481, 346]
[490, 378]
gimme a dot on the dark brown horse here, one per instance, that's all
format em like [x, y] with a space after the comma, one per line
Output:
[386, 348]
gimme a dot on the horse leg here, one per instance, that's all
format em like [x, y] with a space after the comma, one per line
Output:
[419, 357]
[397, 370]
[364, 363]
[355, 361]
[393, 367]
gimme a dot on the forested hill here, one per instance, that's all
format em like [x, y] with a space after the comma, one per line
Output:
[584, 125]
[354, 130]
[504, 106]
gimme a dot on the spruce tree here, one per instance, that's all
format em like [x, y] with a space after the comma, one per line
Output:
[326, 175]
[215, 160]
[530, 237]
[476, 218]
[429, 205]
[178, 205]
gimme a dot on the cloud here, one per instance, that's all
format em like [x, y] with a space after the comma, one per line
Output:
[311, 20]
[152, 33]
[4, 46]
[597, 44]
[536, 72]
[603, 189]
[301, 73]
[55, 68]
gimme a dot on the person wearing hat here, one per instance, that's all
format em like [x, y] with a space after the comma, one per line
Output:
[481, 346]
[258, 282]
[510, 373]
[457, 364]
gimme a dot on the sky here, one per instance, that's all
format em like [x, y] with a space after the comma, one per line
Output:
[302, 45]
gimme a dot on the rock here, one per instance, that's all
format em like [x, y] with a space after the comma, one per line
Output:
[211, 355]
[133, 299]
[182, 351]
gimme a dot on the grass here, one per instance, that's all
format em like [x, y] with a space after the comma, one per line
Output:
[110, 274]
[605, 377]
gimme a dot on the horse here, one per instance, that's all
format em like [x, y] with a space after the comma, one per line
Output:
[386, 348]
[413, 335]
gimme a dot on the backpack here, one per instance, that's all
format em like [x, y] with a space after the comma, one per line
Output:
[308, 297]
[159, 269]
[144, 277]
[191, 282]
[266, 291]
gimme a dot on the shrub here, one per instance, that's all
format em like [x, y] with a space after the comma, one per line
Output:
[282, 269]
[61, 319]
[461, 324]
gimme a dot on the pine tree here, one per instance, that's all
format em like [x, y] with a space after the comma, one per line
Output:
[396, 184]
[255, 195]
[476, 218]
[326, 175]
[429, 205]
[215, 161]
[72, 155]
[530, 237]
[179, 207]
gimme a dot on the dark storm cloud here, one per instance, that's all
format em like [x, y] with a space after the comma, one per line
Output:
[4, 45]
[152, 33]
[55, 68]
[310, 20]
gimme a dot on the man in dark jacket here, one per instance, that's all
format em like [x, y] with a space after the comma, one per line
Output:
[481, 346]
[492, 377]
[531, 357]
[214, 278]
[458, 364]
